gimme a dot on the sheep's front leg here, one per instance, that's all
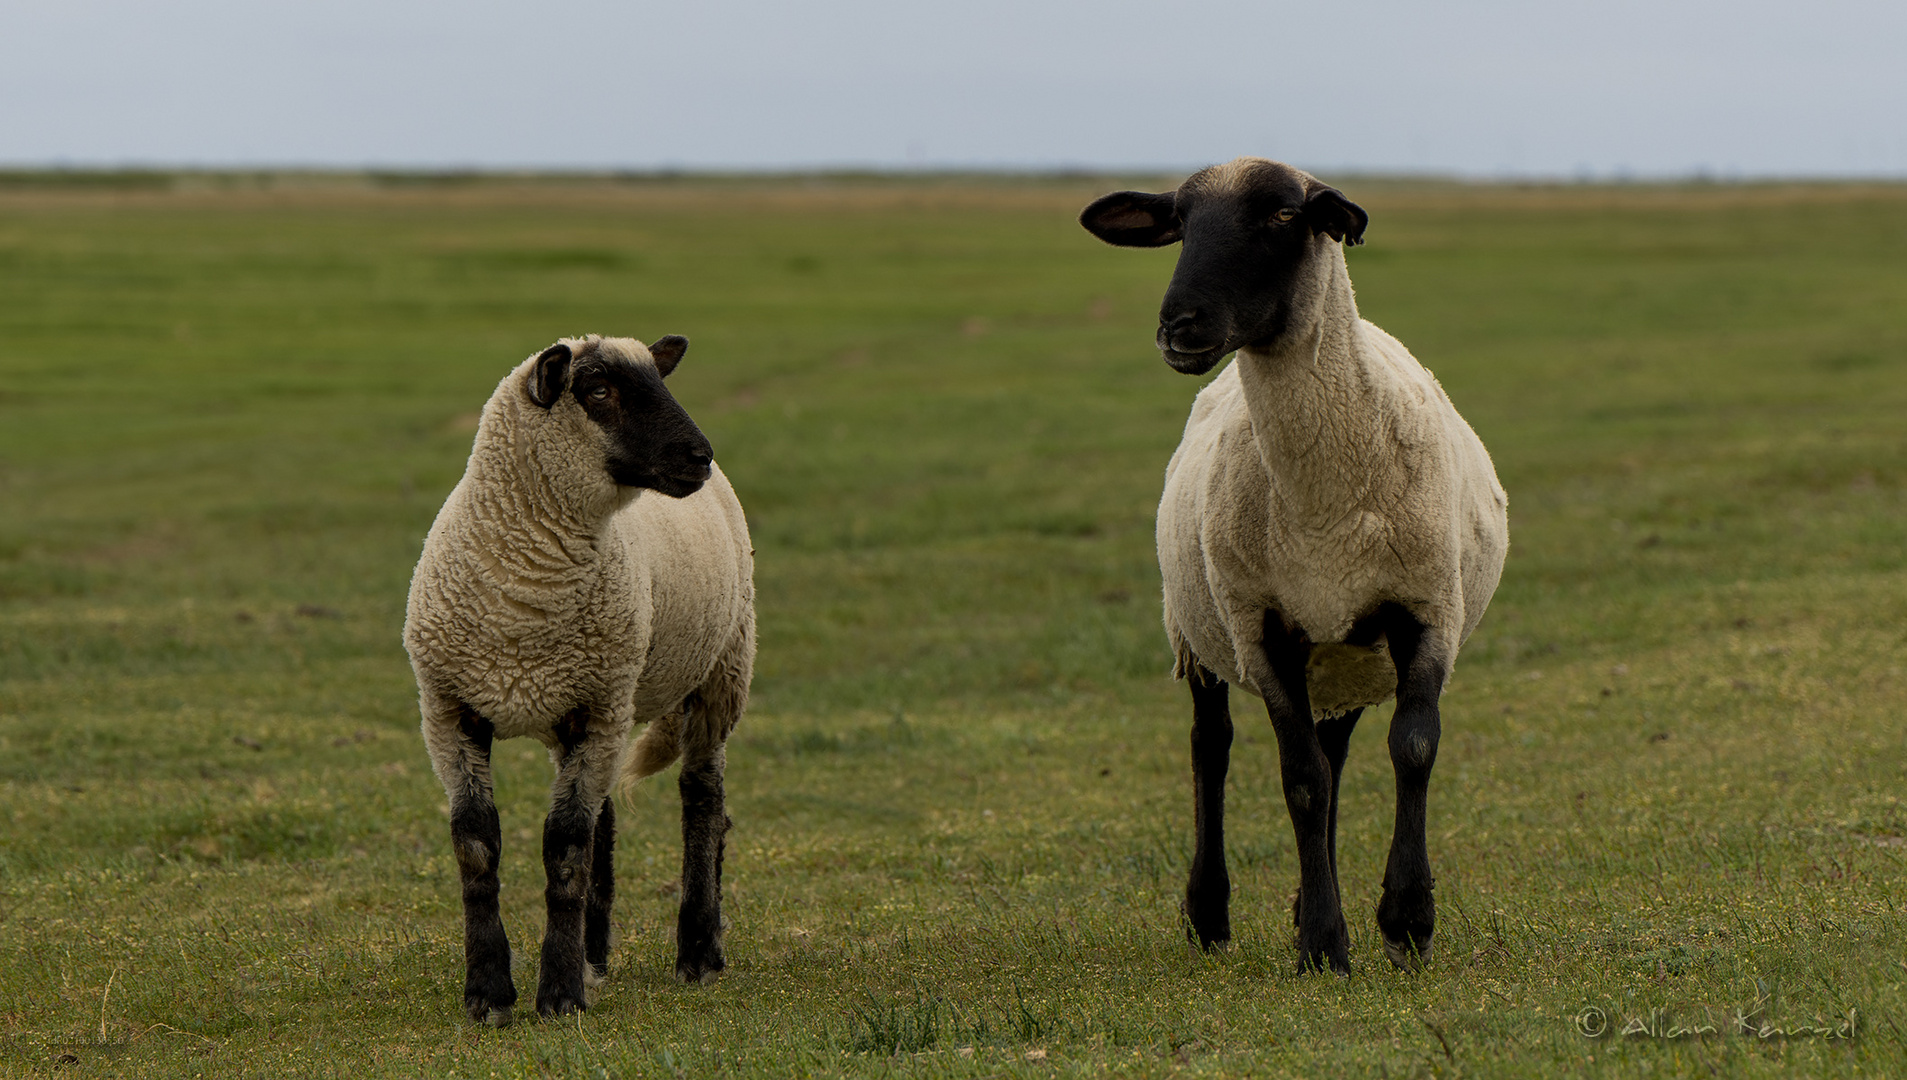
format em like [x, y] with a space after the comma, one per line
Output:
[582, 784]
[1407, 913]
[1208, 893]
[459, 743]
[705, 824]
[1306, 771]
[602, 895]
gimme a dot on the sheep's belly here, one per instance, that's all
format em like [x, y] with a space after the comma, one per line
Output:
[527, 698]
[524, 685]
[1341, 677]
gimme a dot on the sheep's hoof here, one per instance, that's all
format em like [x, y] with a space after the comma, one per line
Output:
[700, 971]
[1337, 962]
[1327, 950]
[694, 975]
[1408, 955]
[1207, 925]
[1221, 942]
[1405, 920]
[551, 1006]
[491, 1016]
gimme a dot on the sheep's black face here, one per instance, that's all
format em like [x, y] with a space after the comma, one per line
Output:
[1248, 228]
[652, 442]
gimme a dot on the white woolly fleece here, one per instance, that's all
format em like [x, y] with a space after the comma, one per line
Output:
[1321, 480]
[545, 586]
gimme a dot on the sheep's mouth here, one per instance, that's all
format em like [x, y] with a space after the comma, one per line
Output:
[675, 487]
[1193, 363]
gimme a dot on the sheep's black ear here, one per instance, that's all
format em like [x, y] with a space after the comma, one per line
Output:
[668, 352]
[1329, 212]
[549, 376]
[1134, 219]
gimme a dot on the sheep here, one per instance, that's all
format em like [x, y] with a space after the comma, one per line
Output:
[1329, 535]
[591, 572]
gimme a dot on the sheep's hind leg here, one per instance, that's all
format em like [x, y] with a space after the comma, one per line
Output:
[1334, 738]
[705, 825]
[1407, 913]
[1208, 892]
[460, 753]
[581, 787]
[602, 896]
[1323, 939]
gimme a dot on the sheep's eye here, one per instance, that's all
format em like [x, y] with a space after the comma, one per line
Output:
[600, 394]
[1284, 215]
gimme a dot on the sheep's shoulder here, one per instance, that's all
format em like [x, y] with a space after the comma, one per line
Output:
[1218, 493]
[522, 642]
[693, 557]
[1213, 527]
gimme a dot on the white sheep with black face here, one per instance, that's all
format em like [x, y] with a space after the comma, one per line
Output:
[591, 572]
[1330, 534]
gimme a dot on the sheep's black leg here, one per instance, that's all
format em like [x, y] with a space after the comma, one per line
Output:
[462, 759]
[1208, 892]
[1407, 913]
[1322, 936]
[705, 824]
[602, 893]
[567, 839]
[1334, 738]
[576, 798]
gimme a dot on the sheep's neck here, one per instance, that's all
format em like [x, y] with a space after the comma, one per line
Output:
[530, 535]
[1319, 412]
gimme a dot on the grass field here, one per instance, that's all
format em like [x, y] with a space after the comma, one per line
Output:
[1674, 755]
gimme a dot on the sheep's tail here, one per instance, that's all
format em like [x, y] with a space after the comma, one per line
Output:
[656, 748]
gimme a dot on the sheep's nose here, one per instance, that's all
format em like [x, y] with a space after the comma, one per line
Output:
[701, 461]
[1173, 328]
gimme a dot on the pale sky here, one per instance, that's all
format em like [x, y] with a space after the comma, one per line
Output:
[1733, 88]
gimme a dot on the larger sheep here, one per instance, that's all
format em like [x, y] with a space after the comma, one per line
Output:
[1330, 534]
[591, 572]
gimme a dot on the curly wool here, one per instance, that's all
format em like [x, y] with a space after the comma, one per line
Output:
[1320, 478]
[545, 586]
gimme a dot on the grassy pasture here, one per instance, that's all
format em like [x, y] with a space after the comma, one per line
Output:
[1670, 783]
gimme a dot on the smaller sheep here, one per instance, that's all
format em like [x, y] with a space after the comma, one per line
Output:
[1330, 533]
[591, 572]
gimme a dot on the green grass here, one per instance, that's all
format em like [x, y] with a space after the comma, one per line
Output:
[1673, 760]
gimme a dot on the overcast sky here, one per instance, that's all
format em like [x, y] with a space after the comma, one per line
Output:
[1475, 87]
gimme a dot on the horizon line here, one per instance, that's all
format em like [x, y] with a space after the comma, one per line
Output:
[153, 174]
